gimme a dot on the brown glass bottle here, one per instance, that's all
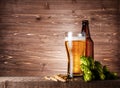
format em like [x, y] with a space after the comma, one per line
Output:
[89, 52]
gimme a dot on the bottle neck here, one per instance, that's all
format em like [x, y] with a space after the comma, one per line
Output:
[85, 29]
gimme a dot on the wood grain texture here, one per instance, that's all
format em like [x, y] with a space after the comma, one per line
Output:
[38, 82]
[32, 34]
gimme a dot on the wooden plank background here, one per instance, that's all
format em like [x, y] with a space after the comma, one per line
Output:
[32, 34]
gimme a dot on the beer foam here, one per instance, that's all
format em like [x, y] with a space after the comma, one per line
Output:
[75, 38]
[70, 37]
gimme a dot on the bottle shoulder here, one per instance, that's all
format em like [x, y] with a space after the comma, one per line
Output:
[89, 39]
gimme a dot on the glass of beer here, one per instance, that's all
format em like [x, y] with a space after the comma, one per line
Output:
[75, 47]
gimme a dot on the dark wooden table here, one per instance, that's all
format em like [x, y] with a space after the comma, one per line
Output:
[40, 82]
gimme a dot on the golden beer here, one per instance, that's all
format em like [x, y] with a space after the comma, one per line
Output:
[74, 52]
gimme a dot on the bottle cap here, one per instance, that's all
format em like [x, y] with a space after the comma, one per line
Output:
[85, 22]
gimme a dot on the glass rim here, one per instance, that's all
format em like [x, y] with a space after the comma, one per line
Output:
[70, 36]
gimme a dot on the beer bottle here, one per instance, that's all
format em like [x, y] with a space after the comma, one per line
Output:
[89, 52]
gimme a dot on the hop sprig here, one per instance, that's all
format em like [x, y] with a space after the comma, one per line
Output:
[94, 70]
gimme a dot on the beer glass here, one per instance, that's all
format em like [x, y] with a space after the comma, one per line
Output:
[75, 47]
